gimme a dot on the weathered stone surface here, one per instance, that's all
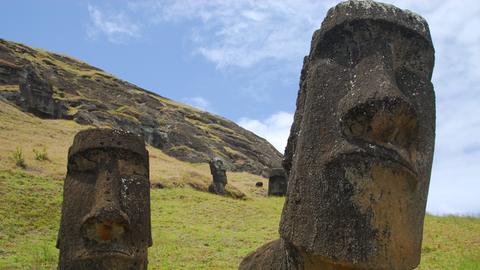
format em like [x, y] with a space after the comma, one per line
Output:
[55, 86]
[360, 150]
[219, 176]
[37, 97]
[269, 256]
[28, 91]
[105, 222]
[277, 182]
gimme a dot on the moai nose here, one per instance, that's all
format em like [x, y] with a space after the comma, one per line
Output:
[387, 121]
[107, 224]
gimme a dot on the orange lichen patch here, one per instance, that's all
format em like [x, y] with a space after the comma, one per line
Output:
[105, 231]
[109, 230]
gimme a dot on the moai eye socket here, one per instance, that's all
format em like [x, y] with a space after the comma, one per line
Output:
[80, 163]
[385, 122]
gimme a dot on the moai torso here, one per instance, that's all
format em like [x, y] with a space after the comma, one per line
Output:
[219, 175]
[360, 150]
[277, 182]
[105, 221]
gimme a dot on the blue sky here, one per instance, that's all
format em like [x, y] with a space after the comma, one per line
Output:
[242, 60]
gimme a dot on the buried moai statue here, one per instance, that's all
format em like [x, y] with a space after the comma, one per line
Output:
[105, 221]
[219, 175]
[277, 182]
[360, 150]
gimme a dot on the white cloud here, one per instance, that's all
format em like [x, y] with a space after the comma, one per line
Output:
[274, 128]
[117, 27]
[244, 33]
[199, 103]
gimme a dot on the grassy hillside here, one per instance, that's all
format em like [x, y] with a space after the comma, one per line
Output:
[25, 132]
[191, 229]
[56, 86]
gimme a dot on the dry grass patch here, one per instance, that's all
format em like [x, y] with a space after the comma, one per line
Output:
[23, 130]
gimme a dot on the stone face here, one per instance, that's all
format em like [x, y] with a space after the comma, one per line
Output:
[360, 150]
[277, 182]
[219, 176]
[105, 221]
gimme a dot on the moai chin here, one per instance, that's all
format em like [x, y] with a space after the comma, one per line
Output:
[219, 175]
[277, 182]
[105, 221]
[360, 150]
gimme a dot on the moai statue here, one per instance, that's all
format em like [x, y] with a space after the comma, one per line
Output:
[277, 182]
[219, 175]
[105, 221]
[360, 150]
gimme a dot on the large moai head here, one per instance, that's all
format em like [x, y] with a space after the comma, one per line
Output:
[360, 150]
[105, 221]
[277, 182]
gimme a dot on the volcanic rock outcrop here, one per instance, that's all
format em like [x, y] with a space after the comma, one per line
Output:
[55, 86]
[360, 150]
[105, 222]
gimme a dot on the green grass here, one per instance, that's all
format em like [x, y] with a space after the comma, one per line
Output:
[192, 229]
[18, 157]
[197, 230]
[40, 154]
[29, 211]
[451, 242]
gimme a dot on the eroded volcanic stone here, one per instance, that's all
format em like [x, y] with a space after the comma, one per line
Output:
[277, 182]
[219, 176]
[360, 150]
[105, 221]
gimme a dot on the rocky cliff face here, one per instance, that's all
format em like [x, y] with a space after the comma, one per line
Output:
[54, 86]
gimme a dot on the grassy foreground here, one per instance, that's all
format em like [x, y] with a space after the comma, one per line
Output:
[191, 229]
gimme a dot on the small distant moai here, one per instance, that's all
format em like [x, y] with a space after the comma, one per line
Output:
[219, 175]
[105, 222]
[277, 182]
[360, 150]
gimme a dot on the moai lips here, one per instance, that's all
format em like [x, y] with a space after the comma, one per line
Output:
[219, 175]
[360, 150]
[105, 220]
